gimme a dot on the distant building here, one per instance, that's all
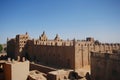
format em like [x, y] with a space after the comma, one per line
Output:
[70, 54]
[105, 66]
[4, 48]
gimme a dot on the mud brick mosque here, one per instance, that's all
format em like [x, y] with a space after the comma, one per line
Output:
[68, 54]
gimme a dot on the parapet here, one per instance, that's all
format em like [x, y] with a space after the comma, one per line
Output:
[112, 56]
[12, 61]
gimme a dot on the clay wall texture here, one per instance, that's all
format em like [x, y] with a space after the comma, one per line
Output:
[105, 66]
[54, 55]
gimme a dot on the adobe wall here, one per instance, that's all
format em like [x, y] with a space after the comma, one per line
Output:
[56, 56]
[105, 66]
[83, 49]
[82, 53]
[7, 72]
[16, 70]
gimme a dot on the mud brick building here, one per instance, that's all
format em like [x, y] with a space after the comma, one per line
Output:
[70, 54]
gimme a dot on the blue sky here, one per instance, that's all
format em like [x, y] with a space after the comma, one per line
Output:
[68, 18]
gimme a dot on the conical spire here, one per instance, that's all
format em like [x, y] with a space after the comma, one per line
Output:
[43, 37]
[57, 37]
[43, 34]
[26, 33]
[7, 39]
